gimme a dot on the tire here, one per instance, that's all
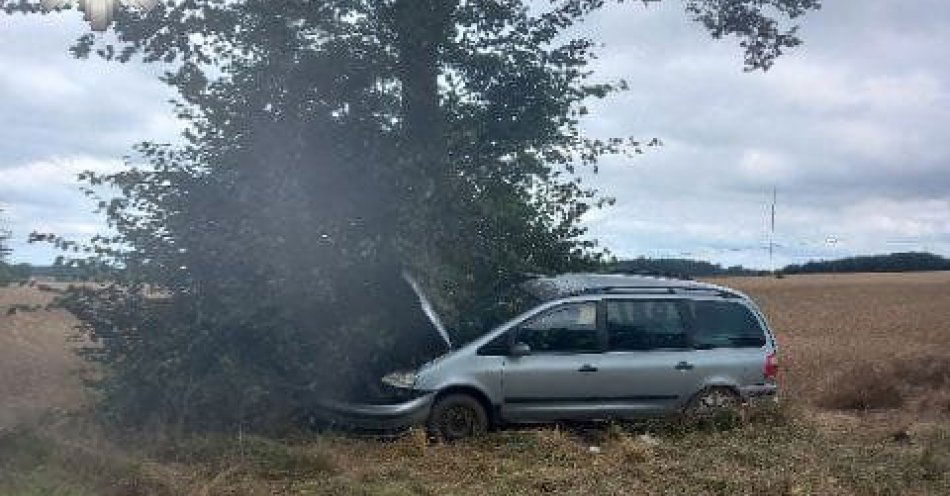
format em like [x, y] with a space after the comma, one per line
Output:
[457, 416]
[712, 403]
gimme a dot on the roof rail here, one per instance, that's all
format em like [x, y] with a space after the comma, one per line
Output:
[680, 276]
[661, 289]
[725, 293]
[630, 289]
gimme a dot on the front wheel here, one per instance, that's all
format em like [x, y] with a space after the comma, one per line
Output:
[457, 416]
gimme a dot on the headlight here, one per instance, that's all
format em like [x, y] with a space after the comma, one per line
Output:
[402, 380]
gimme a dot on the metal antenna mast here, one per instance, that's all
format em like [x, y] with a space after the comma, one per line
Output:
[5, 234]
[772, 231]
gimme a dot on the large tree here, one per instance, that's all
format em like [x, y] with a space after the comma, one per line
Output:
[333, 144]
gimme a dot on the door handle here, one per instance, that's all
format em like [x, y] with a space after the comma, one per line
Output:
[587, 368]
[684, 366]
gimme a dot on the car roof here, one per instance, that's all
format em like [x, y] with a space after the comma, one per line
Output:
[565, 285]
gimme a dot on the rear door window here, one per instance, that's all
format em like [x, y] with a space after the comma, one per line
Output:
[634, 325]
[569, 328]
[725, 324]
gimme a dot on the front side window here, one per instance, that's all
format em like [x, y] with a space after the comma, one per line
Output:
[725, 324]
[569, 328]
[496, 347]
[634, 325]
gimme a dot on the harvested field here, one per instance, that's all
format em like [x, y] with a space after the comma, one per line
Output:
[861, 341]
[38, 372]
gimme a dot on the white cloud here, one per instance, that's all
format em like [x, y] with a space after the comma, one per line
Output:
[920, 89]
[824, 86]
[865, 138]
[55, 172]
[44, 83]
[811, 85]
[765, 167]
[881, 217]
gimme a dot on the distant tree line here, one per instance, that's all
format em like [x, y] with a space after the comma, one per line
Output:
[12, 273]
[894, 262]
[669, 267]
[686, 268]
[678, 267]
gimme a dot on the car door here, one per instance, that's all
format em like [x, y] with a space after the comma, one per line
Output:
[729, 340]
[647, 367]
[555, 380]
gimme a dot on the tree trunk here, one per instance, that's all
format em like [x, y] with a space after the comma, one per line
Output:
[422, 28]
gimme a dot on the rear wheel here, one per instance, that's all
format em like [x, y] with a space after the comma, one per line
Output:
[712, 403]
[457, 416]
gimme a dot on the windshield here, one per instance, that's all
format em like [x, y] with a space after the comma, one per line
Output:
[494, 311]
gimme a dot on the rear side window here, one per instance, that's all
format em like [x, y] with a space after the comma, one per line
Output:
[645, 325]
[725, 324]
[570, 328]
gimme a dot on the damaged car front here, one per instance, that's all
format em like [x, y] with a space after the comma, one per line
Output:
[396, 402]
[406, 397]
[395, 405]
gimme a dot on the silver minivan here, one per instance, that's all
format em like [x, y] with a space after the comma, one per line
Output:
[595, 347]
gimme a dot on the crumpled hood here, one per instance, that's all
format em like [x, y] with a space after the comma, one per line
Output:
[428, 309]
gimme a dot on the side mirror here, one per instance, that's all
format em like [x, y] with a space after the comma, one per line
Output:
[520, 349]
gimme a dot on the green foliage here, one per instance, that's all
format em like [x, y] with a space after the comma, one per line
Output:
[332, 145]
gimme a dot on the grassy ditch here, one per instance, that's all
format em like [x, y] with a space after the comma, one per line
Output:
[775, 451]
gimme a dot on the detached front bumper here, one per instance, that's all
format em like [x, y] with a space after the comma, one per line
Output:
[378, 417]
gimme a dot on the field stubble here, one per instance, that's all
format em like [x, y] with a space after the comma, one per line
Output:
[862, 341]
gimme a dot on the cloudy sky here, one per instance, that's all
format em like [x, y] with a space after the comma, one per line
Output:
[851, 129]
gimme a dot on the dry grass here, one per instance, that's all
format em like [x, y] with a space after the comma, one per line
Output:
[37, 369]
[758, 458]
[861, 341]
[865, 358]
